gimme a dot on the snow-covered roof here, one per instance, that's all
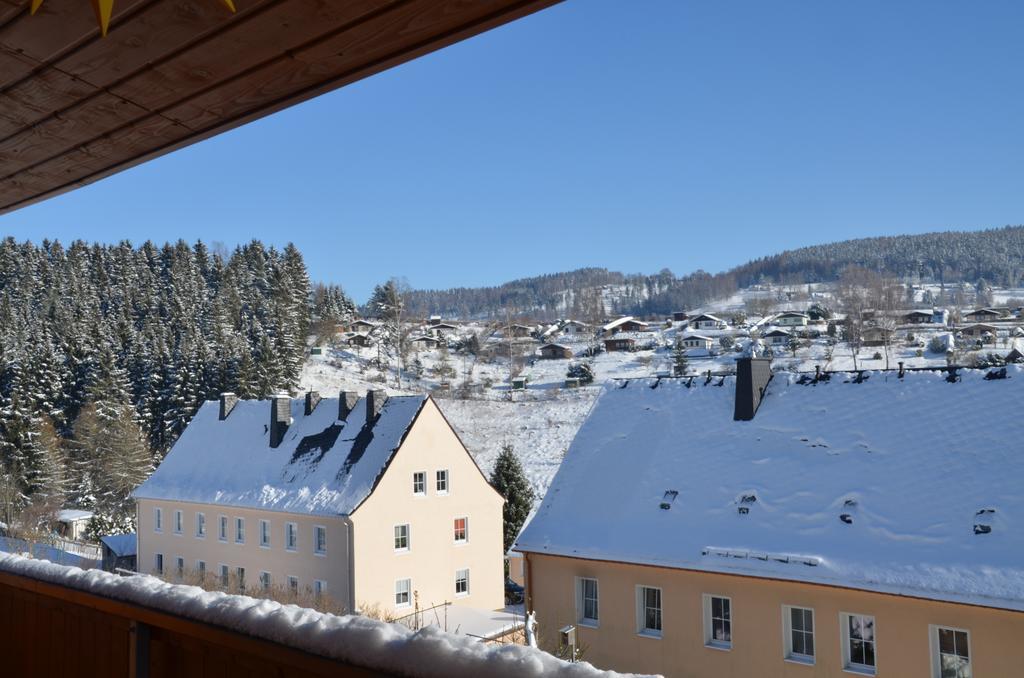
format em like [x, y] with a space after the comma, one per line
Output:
[766, 497]
[560, 346]
[71, 515]
[121, 544]
[777, 333]
[706, 316]
[697, 336]
[322, 466]
[792, 314]
[621, 321]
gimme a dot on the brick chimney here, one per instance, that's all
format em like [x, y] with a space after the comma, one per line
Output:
[346, 403]
[280, 417]
[375, 400]
[312, 400]
[752, 377]
[227, 403]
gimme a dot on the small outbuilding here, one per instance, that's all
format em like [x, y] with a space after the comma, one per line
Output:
[620, 344]
[71, 523]
[706, 321]
[555, 352]
[119, 552]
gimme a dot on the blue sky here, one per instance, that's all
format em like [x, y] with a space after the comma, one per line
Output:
[635, 135]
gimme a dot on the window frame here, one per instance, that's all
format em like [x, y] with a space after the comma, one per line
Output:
[707, 604]
[642, 629]
[788, 653]
[437, 481]
[266, 580]
[222, 528]
[224, 575]
[158, 519]
[179, 567]
[849, 665]
[407, 592]
[264, 533]
[458, 578]
[200, 525]
[581, 603]
[319, 549]
[319, 588]
[158, 563]
[239, 530]
[407, 537]
[292, 584]
[291, 530]
[179, 522]
[201, 570]
[465, 530]
[240, 575]
[419, 478]
[936, 650]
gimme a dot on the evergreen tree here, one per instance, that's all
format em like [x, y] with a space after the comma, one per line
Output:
[680, 363]
[509, 479]
[581, 371]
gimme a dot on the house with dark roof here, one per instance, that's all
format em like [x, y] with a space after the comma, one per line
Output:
[555, 352]
[918, 317]
[982, 315]
[789, 524]
[706, 321]
[777, 338]
[625, 324]
[791, 319]
[986, 333]
[368, 500]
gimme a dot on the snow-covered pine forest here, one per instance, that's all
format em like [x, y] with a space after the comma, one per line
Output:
[106, 351]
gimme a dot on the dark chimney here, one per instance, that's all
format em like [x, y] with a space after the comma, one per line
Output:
[280, 417]
[346, 403]
[312, 400]
[752, 377]
[227, 403]
[375, 400]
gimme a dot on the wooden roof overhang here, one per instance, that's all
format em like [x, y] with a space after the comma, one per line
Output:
[76, 107]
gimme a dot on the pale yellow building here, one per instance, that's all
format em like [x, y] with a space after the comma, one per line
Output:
[371, 501]
[786, 526]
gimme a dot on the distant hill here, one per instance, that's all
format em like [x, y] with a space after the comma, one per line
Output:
[997, 255]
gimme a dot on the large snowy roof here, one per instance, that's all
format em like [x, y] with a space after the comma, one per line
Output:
[767, 497]
[323, 465]
[621, 321]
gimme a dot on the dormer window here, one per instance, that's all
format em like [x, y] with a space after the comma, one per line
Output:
[419, 483]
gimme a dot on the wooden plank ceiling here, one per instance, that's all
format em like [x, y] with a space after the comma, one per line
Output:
[75, 107]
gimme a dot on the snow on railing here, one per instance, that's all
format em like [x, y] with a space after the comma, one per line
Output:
[786, 558]
[352, 639]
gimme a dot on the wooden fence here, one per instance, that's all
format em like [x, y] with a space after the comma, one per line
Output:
[51, 630]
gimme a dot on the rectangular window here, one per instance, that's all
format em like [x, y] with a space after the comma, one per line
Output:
[951, 652]
[461, 530]
[648, 611]
[462, 582]
[858, 642]
[402, 537]
[179, 567]
[200, 525]
[319, 587]
[419, 482]
[403, 592]
[225, 576]
[442, 481]
[223, 533]
[239, 530]
[291, 536]
[293, 585]
[158, 563]
[799, 625]
[240, 575]
[717, 622]
[158, 519]
[265, 581]
[201, 569]
[319, 540]
[586, 601]
[179, 521]
[265, 533]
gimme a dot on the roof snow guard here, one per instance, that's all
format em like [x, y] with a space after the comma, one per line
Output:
[326, 462]
[903, 501]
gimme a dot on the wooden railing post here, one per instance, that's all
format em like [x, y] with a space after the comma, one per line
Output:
[138, 654]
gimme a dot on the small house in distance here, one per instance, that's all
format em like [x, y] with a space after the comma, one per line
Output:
[706, 321]
[986, 333]
[423, 342]
[555, 352]
[983, 315]
[876, 336]
[72, 523]
[442, 330]
[679, 316]
[370, 501]
[698, 341]
[625, 324]
[119, 551]
[362, 326]
[918, 317]
[791, 319]
[777, 338]
[518, 331]
[620, 344]
[574, 327]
